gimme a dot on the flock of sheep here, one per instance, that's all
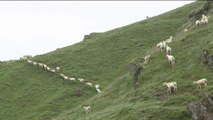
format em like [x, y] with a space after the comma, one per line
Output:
[64, 77]
[57, 70]
[171, 59]
[160, 47]
[204, 20]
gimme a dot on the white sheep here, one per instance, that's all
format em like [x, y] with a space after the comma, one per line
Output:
[81, 80]
[159, 46]
[52, 70]
[87, 109]
[98, 90]
[204, 17]
[45, 66]
[197, 22]
[72, 79]
[97, 86]
[199, 82]
[168, 50]
[171, 85]
[185, 30]
[62, 75]
[204, 21]
[147, 59]
[40, 64]
[164, 45]
[89, 84]
[57, 68]
[66, 78]
[169, 40]
[29, 61]
[35, 63]
[171, 59]
[48, 68]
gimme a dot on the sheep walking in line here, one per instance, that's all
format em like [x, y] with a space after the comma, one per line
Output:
[40, 64]
[65, 78]
[89, 84]
[81, 80]
[29, 61]
[185, 30]
[98, 90]
[168, 50]
[171, 59]
[72, 79]
[57, 68]
[87, 109]
[171, 85]
[35, 63]
[199, 82]
[53, 71]
[147, 59]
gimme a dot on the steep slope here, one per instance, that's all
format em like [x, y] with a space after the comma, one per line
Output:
[31, 93]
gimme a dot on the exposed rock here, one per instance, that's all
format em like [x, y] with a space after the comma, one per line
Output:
[198, 111]
[195, 15]
[86, 37]
[203, 55]
[135, 69]
[210, 62]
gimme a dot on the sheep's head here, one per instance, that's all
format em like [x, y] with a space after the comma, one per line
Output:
[194, 82]
[164, 83]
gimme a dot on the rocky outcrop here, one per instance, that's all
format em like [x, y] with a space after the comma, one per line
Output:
[86, 37]
[198, 111]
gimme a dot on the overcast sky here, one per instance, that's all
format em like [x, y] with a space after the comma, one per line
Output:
[36, 27]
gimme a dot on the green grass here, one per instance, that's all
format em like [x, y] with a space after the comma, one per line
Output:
[29, 92]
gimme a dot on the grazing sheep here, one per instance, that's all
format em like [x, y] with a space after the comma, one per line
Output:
[72, 79]
[169, 40]
[89, 84]
[87, 109]
[171, 59]
[168, 50]
[29, 61]
[97, 87]
[199, 82]
[57, 68]
[62, 75]
[81, 80]
[147, 59]
[171, 85]
[204, 21]
[159, 46]
[164, 44]
[198, 22]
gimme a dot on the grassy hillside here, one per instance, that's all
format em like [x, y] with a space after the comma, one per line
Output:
[29, 92]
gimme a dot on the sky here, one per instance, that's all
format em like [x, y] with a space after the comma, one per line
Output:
[39, 27]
